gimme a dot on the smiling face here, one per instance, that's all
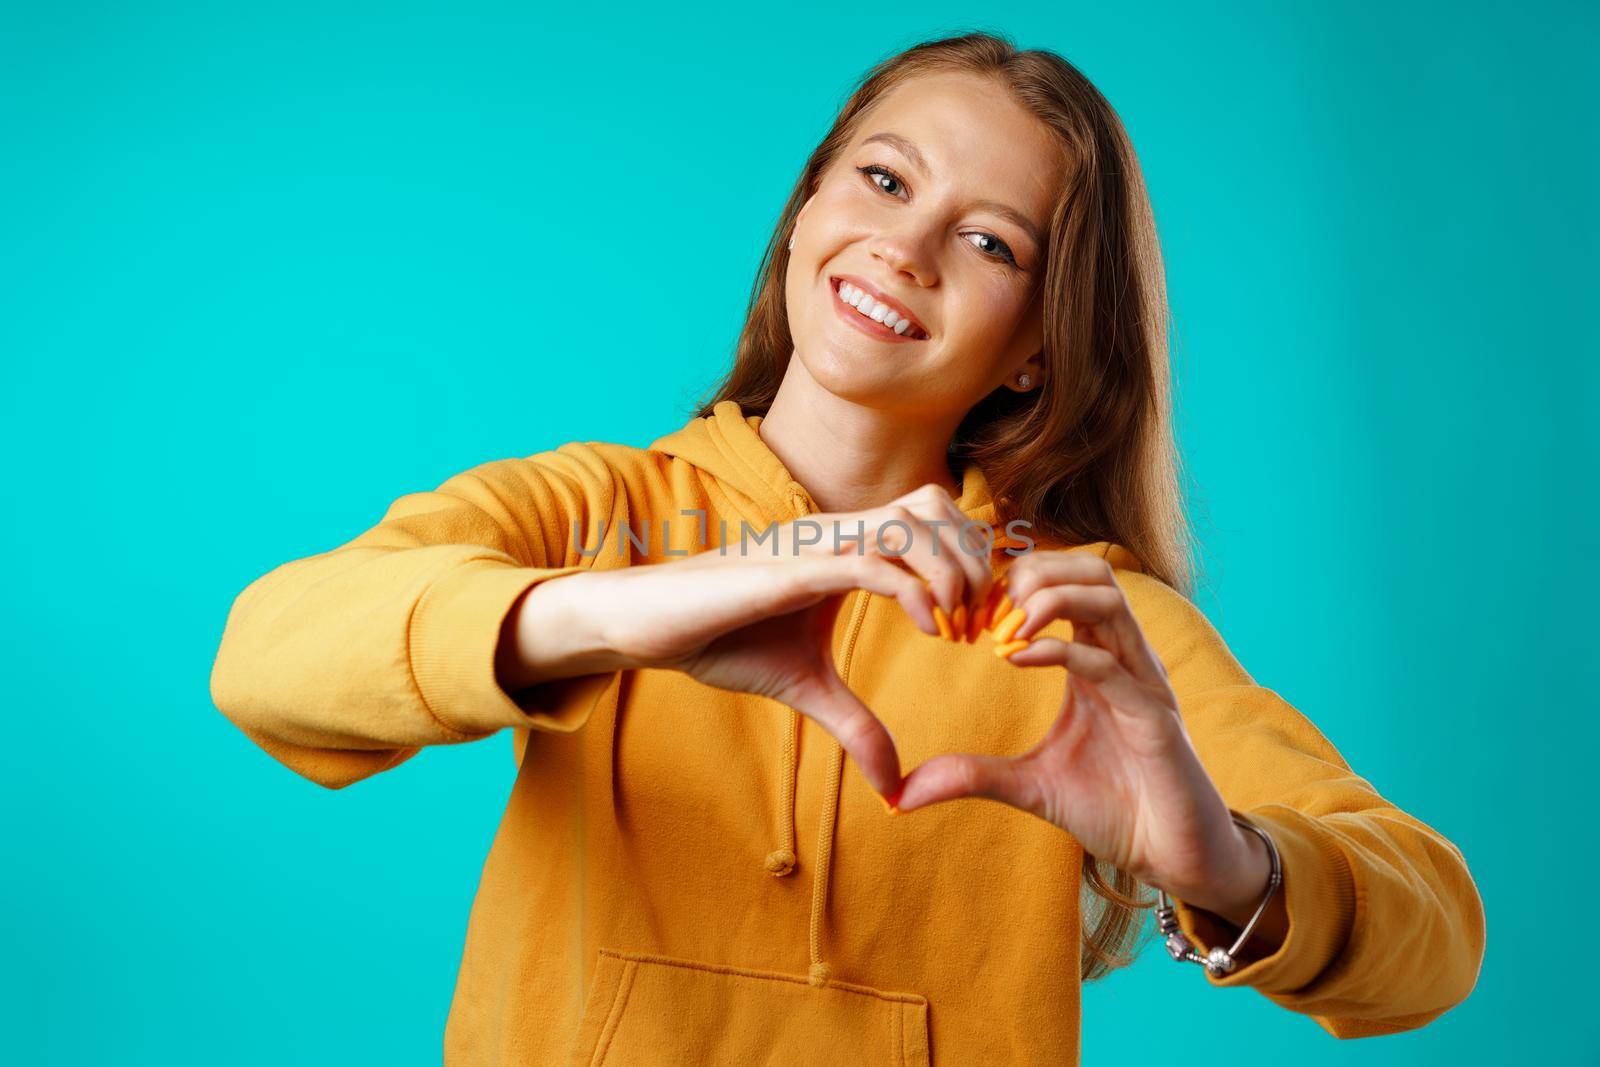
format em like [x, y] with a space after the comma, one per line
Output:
[938, 206]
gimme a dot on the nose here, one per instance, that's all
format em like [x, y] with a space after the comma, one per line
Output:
[904, 252]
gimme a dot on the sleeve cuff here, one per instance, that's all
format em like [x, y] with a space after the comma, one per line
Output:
[454, 635]
[1319, 897]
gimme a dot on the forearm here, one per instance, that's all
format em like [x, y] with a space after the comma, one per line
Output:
[556, 630]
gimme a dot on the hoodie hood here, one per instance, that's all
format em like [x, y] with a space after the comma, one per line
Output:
[727, 446]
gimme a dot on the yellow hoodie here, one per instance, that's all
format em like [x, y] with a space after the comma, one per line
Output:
[689, 875]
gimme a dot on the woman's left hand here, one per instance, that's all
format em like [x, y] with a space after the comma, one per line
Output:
[1117, 770]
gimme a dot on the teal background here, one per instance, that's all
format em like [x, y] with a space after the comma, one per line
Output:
[261, 272]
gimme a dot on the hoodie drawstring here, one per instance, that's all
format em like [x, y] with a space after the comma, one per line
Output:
[820, 972]
[780, 861]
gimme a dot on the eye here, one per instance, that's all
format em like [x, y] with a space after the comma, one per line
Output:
[882, 177]
[1005, 249]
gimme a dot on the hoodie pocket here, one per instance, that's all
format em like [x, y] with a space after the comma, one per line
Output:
[652, 1009]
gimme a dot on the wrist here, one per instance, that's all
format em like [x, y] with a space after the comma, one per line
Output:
[1241, 880]
[554, 632]
[1240, 890]
[1256, 935]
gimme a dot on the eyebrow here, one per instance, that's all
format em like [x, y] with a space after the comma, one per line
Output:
[1005, 211]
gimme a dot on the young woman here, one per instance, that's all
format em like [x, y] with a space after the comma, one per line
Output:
[947, 419]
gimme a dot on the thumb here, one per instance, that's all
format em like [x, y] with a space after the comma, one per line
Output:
[955, 775]
[862, 734]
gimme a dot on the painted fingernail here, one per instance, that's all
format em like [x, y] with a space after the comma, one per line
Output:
[1003, 608]
[890, 802]
[1004, 651]
[942, 621]
[958, 623]
[978, 622]
[1007, 627]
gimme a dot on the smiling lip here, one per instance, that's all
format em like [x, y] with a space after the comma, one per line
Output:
[865, 324]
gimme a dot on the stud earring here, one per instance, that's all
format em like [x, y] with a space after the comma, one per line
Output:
[791, 243]
[1023, 381]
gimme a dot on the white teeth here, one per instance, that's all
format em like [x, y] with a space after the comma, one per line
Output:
[871, 308]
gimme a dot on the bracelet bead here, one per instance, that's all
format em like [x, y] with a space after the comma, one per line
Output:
[1219, 961]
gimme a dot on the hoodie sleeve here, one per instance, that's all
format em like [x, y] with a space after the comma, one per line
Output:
[343, 664]
[1386, 925]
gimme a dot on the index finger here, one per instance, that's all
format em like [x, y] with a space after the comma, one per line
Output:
[1082, 588]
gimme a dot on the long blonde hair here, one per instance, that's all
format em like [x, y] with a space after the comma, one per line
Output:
[1089, 456]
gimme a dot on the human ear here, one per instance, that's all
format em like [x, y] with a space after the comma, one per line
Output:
[798, 216]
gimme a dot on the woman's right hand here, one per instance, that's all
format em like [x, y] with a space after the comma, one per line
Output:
[757, 617]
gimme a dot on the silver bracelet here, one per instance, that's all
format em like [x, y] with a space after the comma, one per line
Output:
[1220, 960]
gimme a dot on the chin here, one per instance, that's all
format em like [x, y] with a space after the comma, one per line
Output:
[852, 376]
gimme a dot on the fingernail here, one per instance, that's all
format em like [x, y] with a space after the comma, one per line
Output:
[958, 623]
[942, 621]
[1004, 651]
[980, 618]
[890, 802]
[1007, 628]
[1003, 608]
